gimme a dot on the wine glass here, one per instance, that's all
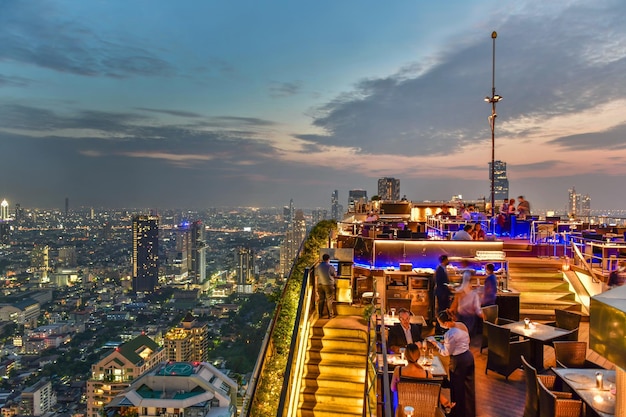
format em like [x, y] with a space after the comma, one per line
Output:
[393, 312]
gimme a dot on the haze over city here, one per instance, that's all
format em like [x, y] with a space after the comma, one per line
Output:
[202, 103]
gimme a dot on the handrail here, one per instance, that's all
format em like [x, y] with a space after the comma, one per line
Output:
[387, 399]
[297, 346]
[576, 251]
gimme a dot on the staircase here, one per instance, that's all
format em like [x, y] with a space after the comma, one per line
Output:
[334, 376]
[542, 287]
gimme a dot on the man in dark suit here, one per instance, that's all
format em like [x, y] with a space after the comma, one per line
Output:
[404, 333]
[442, 292]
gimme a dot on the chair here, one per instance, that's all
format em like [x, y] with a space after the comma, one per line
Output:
[572, 354]
[568, 320]
[504, 355]
[490, 314]
[421, 395]
[531, 409]
[552, 406]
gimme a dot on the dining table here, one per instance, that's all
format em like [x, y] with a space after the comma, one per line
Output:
[433, 364]
[390, 320]
[583, 383]
[539, 334]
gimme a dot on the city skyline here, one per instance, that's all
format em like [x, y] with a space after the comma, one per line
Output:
[156, 104]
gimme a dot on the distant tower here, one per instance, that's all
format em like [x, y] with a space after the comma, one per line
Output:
[356, 197]
[335, 207]
[145, 253]
[67, 206]
[585, 207]
[291, 244]
[4, 210]
[389, 189]
[573, 205]
[501, 181]
[244, 258]
[318, 215]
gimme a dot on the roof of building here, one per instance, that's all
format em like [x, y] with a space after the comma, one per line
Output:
[131, 349]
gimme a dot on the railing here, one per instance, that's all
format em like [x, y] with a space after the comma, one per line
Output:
[592, 253]
[290, 392]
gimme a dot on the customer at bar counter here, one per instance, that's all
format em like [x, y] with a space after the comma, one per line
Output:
[478, 233]
[442, 291]
[490, 289]
[464, 233]
[405, 333]
[326, 276]
[455, 344]
[523, 208]
[411, 371]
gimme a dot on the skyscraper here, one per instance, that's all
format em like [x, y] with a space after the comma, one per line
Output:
[318, 215]
[501, 182]
[356, 197]
[197, 249]
[585, 206]
[573, 204]
[145, 253]
[4, 210]
[389, 189]
[188, 341]
[291, 244]
[244, 258]
[336, 210]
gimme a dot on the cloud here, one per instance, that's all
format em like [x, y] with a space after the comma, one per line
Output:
[547, 66]
[41, 35]
[285, 89]
[613, 138]
[535, 166]
[178, 113]
[11, 81]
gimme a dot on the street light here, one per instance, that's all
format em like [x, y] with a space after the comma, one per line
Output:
[492, 123]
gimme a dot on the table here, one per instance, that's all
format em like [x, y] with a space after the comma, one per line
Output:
[539, 334]
[436, 368]
[389, 320]
[583, 383]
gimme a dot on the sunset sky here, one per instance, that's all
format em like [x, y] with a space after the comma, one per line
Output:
[199, 103]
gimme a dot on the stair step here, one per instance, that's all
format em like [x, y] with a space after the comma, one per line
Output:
[338, 333]
[329, 356]
[345, 372]
[337, 344]
[337, 384]
[528, 286]
[326, 395]
[545, 296]
[314, 411]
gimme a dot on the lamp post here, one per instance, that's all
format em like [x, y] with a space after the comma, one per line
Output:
[492, 123]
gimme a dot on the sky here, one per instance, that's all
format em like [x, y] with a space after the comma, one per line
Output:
[205, 103]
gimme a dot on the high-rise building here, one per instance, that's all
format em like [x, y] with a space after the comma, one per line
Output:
[188, 341]
[38, 399]
[336, 210]
[389, 189]
[573, 204]
[291, 244]
[67, 206]
[500, 183]
[289, 213]
[145, 253]
[197, 266]
[115, 372]
[585, 206]
[178, 389]
[356, 197]
[4, 210]
[317, 215]
[244, 259]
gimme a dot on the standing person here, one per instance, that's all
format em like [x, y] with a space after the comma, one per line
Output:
[523, 208]
[466, 304]
[511, 218]
[491, 286]
[405, 333]
[442, 292]
[456, 345]
[326, 275]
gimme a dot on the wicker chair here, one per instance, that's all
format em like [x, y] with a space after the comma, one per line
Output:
[421, 395]
[571, 354]
[568, 320]
[552, 406]
[504, 354]
[531, 409]
[491, 315]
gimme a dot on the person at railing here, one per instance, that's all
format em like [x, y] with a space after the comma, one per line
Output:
[455, 344]
[405, 333]
[444, 212]
[326, 275]
[523, 208]
[411, 371]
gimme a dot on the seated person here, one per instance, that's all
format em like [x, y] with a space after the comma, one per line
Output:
[412, 370]
[405, 333]
[478, 233]
[464, 234]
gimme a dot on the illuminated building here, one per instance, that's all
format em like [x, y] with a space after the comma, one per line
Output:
[192, 247]
[38, 399]
[188, 342]
[177, 389]
[291, 244]
[389, 189]
[115, 372]
[4, 210]
[318, 215]
[501, 182]
[244, 258]
[356, 197]
[336, 211]
[145, 253]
